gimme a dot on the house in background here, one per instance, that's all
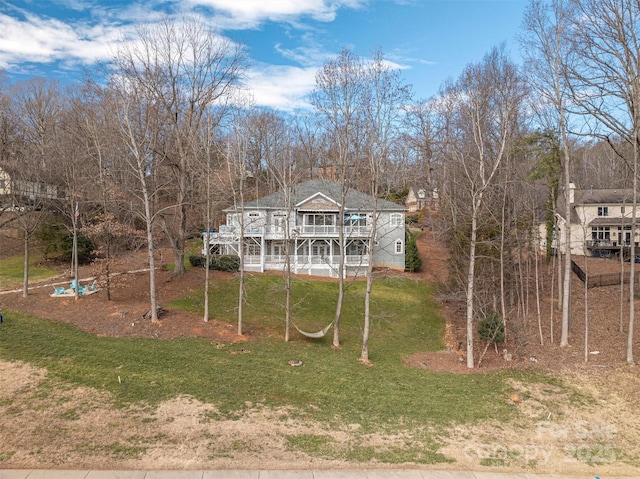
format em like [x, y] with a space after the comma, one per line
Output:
[16, 187]
[600, 222]
[419, 198]
[305, 230]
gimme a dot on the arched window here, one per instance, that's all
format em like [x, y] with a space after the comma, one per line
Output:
[396, 219]
[399, 246]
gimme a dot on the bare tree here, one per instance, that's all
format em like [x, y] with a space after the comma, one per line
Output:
[387, 95]
[137, 122]
[548, 53]
[285, 174]
[487, 103]
[39, 105]
[338, 98]
[187, 72]
[421, 138]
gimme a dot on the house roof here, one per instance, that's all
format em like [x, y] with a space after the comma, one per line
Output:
[591, 196]
[355, 200]
[603, 196]
[609, 221]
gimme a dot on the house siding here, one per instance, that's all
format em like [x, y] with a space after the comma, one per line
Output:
[600, 222]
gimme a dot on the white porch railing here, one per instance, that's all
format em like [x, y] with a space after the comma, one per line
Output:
[230, 234]
[310, 231]
[350, 260]
[252, 259]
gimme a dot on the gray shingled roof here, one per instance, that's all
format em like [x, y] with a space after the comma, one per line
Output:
[354, 200]
[593, 196]
[603, 196]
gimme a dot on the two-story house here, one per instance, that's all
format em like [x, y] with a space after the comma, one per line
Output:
[419, 198]
[303, 228]
[600, 222]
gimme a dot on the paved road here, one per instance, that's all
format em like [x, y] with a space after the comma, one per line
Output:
[306, 474]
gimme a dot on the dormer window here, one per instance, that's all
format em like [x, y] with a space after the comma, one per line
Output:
[603, 211]
[422, 194]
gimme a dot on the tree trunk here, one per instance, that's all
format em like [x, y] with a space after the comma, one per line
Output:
[25, 280]
[470, 285]
[566, 289]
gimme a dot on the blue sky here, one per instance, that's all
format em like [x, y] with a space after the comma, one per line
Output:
[287, 40]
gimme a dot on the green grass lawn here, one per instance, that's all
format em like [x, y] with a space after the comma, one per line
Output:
[331, 386]
[12, 269]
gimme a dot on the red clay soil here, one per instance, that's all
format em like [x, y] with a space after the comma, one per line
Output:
[123, 315]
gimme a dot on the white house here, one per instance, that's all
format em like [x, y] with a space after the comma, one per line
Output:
[600, 222]
[18, 187]
[305, 230]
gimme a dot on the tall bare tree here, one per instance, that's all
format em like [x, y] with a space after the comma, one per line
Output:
[487, 107]
[35, 168]
[548, 54]
[137, 121]
[188, 71]
[338, 97]
[385, 99]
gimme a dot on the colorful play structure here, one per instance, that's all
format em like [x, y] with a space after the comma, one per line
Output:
[86, 290]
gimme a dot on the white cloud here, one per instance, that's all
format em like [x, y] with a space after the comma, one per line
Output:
[44, 40]
[309, 52]
[250, 13]
[281, 87]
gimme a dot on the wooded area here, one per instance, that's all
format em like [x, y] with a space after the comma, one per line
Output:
[151, 148]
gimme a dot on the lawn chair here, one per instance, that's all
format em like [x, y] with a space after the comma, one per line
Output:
[93, 286]
[58, 290]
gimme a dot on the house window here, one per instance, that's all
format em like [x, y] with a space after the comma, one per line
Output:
[601, 233]
[603, 211]
[399, 246]
[396, 219]
[279, 219]
[320, 219]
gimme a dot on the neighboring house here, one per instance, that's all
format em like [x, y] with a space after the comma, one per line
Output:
[600, 222]
[313, 221]
[420, 198]
[19, 188]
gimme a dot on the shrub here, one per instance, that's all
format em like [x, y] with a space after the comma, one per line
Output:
[58, 243]
[412, 262]
[225, 262]
[411, 219]
[491, 328]
[196, 260]
[218, 262]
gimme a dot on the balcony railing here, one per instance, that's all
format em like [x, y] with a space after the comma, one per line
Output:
[606, 243]
[350, 260]
[227, 233]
